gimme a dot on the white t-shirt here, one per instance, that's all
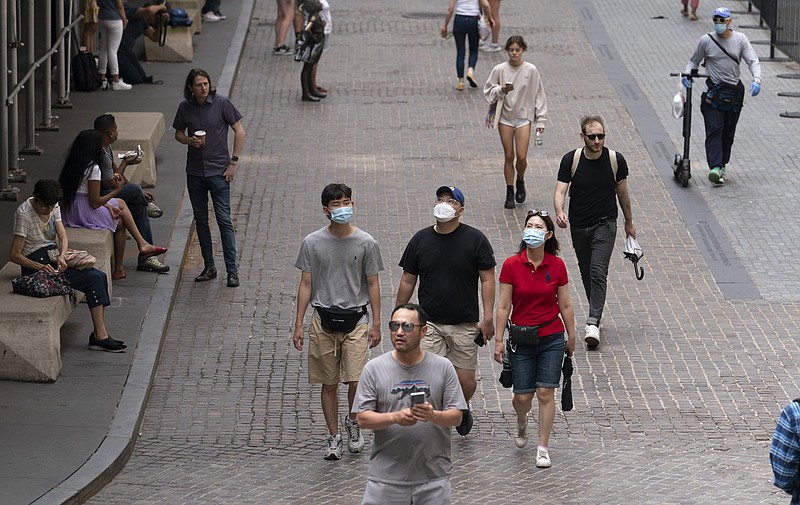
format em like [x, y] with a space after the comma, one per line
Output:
[468, 8]
[325, 15]
[92, 174]
[36, 232]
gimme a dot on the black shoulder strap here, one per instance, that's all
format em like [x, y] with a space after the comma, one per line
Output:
[797, 400]
[711, 36]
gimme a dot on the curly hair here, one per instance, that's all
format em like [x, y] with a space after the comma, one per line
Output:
[85, 152]
[188, 92]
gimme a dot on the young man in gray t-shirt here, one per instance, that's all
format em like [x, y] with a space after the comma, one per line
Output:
[340, 266]
[410, 460]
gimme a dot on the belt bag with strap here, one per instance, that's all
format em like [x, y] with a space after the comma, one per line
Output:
[526, 336]
[724, 97]
[341, 320]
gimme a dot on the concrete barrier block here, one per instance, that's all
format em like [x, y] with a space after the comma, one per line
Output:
[98, 243]
[140, 129]
[178, 46]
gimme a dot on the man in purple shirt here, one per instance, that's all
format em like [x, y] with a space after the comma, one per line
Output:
[209, 166]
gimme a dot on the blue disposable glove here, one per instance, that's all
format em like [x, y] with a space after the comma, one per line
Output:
[755, 88]
[685, 82]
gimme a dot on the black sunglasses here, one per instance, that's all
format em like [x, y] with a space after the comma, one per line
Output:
[407, 326]
[541, 213]
[592, 136]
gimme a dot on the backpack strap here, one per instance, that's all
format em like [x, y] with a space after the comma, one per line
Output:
[576, 158]
[612, 155]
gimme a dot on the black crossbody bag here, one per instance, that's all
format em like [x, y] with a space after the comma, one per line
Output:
[341, 320]
[526, 336]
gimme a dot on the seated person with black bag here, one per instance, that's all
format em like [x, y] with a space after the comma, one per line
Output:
[148, 20]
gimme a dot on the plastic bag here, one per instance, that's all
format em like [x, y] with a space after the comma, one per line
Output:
[678, 101]
[483, 29]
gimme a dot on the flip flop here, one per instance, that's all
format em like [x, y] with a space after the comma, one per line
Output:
[117, 277]
[155, 252]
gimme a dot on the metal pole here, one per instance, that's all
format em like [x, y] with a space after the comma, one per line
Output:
[13, 111]
[6, 192]
[30, 93]
[63, 99]
[47, 77]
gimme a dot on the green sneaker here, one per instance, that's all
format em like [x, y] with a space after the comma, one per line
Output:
[715, 176]
[722, 173]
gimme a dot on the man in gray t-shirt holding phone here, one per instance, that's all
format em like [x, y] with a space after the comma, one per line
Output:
[411, 399]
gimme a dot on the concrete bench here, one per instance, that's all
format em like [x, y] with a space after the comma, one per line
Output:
[187, 4]
[98, 243]
[178, 45]
[139, 129]
[30, 335]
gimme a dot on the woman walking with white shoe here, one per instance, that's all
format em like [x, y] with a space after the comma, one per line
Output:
[112, 23]
[465, 30]
[534, 292]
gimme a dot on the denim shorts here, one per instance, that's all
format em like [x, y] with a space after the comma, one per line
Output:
[540, 366]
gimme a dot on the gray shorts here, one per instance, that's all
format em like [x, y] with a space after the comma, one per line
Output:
[435, 491]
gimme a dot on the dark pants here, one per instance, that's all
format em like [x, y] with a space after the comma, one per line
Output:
[92, 282]
[133, 196]
[199, 188]
[211, 6]
[593, 247]
[465, 28]
[720, 130]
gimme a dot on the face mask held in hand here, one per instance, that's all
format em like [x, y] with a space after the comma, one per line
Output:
[342, 215]
[533, 237]
[444, 212]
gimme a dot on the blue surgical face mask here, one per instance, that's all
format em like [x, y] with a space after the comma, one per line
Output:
[720, 28]
[533, 237]
[342, 215]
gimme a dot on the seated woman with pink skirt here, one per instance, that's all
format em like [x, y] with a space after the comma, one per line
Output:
[83, 207]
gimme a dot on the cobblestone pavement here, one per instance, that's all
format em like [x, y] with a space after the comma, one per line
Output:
[677, 406]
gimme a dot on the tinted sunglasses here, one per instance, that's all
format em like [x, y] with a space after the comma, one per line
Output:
[592, 136]
[407, 326]
[541, 213]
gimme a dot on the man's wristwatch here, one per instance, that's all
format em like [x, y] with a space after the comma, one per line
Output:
[234, 159]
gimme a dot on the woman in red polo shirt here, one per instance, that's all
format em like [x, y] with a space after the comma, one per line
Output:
[534, 283]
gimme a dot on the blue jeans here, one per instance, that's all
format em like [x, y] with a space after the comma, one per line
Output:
[539, 366]
[465, 27]
[220, 189]
[133, 196]
[720, 130]
[593, 247]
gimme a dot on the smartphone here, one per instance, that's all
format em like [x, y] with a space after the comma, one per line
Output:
[509, 85]
[479, 339]
[417, 398]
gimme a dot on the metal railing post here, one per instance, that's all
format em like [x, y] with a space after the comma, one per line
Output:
[30, 92]
[63, 99]
[47, 75]
[14, 174]
[6, 192]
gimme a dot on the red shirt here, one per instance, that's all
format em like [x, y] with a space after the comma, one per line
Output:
[535, 299]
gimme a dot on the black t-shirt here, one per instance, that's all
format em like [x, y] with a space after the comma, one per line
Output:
[593, 191]
[448, 268]
[134, 30]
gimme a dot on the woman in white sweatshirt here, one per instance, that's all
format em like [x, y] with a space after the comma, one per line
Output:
[519, 84]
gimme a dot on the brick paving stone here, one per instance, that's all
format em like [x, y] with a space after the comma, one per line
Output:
[677, 406]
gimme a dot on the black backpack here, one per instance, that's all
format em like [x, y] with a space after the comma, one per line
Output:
[85, 76]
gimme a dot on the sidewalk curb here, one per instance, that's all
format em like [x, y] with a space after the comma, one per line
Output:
[113, 453]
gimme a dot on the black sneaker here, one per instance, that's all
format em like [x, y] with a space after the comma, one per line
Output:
[233, 280]
[520, 196]
[282, 50]
[465, 427]
[107, 344]
[207, 274]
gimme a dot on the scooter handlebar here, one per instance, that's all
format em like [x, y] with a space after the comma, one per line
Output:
[690, 75]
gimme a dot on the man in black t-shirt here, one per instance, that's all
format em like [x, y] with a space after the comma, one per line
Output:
[595, 183]
[449, 258]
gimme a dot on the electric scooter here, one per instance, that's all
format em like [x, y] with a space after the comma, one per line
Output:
[682, 170]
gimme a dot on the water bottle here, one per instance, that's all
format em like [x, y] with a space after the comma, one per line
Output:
[538, 138]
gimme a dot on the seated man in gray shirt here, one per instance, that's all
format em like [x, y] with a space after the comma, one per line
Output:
[410, 398]
[140, 203]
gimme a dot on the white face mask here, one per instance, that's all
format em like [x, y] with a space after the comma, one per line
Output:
[443, 212]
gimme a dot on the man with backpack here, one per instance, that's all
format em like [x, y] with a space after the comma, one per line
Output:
[723, 92]
[597, 178]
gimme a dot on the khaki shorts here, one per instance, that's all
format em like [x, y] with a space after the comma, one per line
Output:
[335, 357]
[456, 342]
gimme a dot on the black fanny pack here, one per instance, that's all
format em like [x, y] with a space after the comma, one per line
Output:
[341, 320]
[526, 336]
[725, 97]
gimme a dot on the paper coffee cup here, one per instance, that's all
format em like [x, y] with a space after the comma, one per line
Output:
[201, 134]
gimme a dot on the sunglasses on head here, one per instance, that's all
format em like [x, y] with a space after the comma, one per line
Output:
[592, 136]
[407, 326]
[540, 213]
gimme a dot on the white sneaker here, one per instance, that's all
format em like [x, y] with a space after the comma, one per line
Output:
[491, 48]
[355, 440]
[210, 17]
[592, 338]
[120, 85]
[542, 458]
[522, 435]
[334, 450]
